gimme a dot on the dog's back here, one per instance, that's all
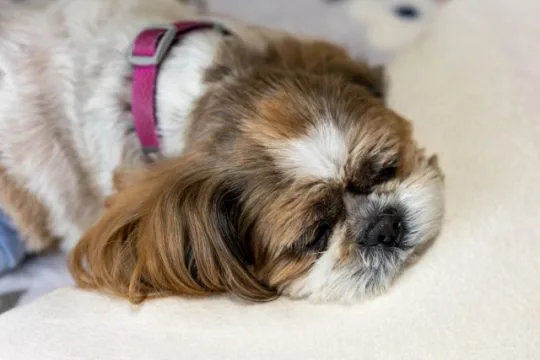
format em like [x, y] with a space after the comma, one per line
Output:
[62, 77]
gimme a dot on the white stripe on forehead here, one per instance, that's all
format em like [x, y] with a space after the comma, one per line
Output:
[320, 154]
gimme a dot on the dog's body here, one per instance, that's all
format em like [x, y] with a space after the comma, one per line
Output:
[64, 88]
[273, 141]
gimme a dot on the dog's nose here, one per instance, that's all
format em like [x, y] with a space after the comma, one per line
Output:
[386, 230]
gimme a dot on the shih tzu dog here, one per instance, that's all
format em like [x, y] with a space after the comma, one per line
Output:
[193, 158]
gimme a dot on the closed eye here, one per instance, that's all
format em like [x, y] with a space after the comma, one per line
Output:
[315, 240]
[386, 174]
[320, 239]
[373, 178]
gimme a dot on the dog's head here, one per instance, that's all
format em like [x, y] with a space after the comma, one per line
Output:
[296, 179]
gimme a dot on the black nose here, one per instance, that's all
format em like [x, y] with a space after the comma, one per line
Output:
[386, 229]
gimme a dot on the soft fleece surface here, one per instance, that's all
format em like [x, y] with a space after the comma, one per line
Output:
[472, 88]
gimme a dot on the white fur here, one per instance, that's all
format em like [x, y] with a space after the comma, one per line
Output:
[177, 99]
[62, 72]
[321, 154]
[424, 197]
[421, 196]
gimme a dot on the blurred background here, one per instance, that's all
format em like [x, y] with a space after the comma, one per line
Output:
[375, 30]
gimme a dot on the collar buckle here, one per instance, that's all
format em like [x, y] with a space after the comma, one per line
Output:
[163, 45]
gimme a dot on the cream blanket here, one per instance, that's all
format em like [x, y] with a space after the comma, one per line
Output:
[472, 87]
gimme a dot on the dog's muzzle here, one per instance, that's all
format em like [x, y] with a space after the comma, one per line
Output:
[386, 229]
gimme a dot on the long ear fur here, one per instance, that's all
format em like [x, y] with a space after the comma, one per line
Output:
[312, 56]
[172, 233]
[322, 57]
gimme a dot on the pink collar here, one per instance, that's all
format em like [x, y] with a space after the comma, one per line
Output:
[146, 55]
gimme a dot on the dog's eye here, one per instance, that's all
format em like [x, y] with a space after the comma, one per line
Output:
[386, 174]
[320, 238]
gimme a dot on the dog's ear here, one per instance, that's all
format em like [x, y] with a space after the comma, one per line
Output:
[371, 78]
[173, 232]
[337, 61]
[319, 57]
[302, 56]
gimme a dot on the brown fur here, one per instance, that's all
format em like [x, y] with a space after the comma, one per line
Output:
[152, 241]
[27, 213]
[224, 217]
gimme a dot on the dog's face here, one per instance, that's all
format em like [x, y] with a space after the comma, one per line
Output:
[296, 180]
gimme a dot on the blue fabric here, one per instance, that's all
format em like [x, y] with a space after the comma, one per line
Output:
[12, 248]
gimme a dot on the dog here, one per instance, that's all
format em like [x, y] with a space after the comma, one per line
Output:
[233, 159]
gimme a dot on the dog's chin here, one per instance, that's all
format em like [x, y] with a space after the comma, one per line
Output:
[369, 275]
[371, 271]
[380, 266]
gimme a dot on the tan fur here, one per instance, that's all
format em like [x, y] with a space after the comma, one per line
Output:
[27, 213]
[149, 244]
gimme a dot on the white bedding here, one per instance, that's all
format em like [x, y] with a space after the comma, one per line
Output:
[472, 87]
